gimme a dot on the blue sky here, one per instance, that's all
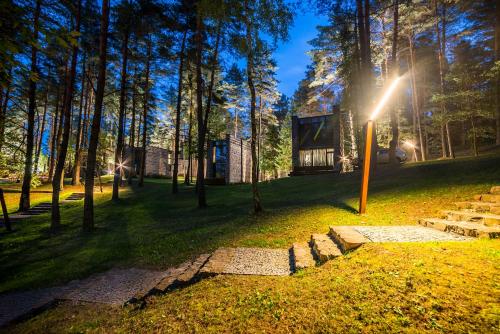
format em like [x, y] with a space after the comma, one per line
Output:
[291, 55]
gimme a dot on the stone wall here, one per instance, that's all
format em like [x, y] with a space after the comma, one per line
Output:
[239, 169]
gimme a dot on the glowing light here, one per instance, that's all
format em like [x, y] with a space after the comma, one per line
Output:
[409, 144]
[384, 99]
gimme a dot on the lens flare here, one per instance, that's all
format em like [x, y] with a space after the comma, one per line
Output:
[385, 98]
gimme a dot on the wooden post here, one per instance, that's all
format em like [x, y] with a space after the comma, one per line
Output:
[6, 220]
[366, 168]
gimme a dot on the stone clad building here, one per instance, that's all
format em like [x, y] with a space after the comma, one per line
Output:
[229, 160]
[315, 143]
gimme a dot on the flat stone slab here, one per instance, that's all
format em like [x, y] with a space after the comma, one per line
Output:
[324, 247]
[116, 286]
[347, 237]
[17, 305]
[248, 261]
[406, 233]
[303, 256]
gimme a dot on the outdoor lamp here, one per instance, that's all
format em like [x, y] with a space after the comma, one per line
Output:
[368, 145]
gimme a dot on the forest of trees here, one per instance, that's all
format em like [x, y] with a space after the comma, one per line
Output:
[80, 80]
[83, 79]
[446, 50]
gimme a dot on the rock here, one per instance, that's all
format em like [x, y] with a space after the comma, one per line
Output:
[324, 247]
[302, 255]
[462, 228]
[347, 237]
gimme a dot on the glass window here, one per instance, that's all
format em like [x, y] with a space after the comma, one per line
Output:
[329, 157]
[319, 157]
[305, 157]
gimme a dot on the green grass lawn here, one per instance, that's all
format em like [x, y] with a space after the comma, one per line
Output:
[385, 287]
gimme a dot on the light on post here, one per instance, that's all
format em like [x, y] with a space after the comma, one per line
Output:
[368, 145]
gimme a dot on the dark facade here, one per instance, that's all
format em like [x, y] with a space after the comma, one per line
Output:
[228, 161]
[315, 143]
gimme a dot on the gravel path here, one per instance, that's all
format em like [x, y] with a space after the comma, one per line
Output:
[249, 261]
[408, 233]
[116, 286]
[16, 305]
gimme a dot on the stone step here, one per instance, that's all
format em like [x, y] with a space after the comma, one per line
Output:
[494, 198]
[471, 216]
[184, 274]
[191, 273]
[477, 206]
[31, 212]
[462, 227]
[43, 205]
[302, 255]
[347, 237]
[14, 218]
[324, 248]
[495, 190]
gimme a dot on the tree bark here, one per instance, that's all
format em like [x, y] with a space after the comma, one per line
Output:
[415, 99]
[257, 207]
[131, 144]
[24, 202]
[200, 177]
[88, 210]
[121, 117]
[394, 64]
[474, 136]
[497, 81]
[187, 177]
[75, 178]
[42, 130]
[3, 109]
[175, 187]
[53, 136]
[61, 159]
[145, 113]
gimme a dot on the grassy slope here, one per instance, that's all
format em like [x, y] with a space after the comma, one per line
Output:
[452, 286]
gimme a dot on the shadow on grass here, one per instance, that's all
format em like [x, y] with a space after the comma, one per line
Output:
[149, 226]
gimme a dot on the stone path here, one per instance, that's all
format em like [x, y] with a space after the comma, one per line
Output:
[119, 286]
[408, 233]
[115, 287]
[40, 208]
[478, 218]
[20, 305]
[249, 261]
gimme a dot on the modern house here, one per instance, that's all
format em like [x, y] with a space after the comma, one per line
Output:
[229, 160]
[315, 143]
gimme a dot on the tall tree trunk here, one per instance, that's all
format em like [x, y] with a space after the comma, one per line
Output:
[200, 177]
[259, 133]
[3, 109]
[131, 144]
[42, 130]
[121, 117]
[145, 113]
[61, 159]
[178, 116]
[257, 207]
[75, 178]
[187, 177]
[415, 99]
[24, 202]
[497, 81]
[88, 210]
[474, 136]
[53, 137]
[441, 79]
[395, 69]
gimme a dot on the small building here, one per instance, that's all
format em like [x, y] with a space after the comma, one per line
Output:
[315, 143]
[229, 160]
